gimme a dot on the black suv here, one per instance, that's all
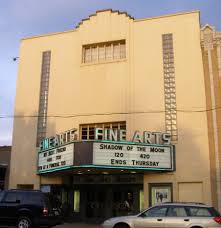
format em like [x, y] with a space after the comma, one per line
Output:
[27, 208]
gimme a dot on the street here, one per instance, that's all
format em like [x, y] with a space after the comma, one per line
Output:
[78, 225]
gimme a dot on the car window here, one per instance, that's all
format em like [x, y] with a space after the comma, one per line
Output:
[213, 212]
[176, 212]
[33, 198]
[155, 212]
[10, 197]
[1, 195]
[199, 212]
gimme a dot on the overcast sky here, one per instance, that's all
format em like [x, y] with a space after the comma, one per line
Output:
[22, 18]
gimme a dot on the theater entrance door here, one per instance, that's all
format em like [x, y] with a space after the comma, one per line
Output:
[99, 202]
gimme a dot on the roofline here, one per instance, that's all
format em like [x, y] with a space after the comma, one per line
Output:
[112, 11]
[185, 204]
[48, 34]
[5, 146]
[101, 11]
[168, 15]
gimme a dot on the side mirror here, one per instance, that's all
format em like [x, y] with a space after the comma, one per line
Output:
[142, 215]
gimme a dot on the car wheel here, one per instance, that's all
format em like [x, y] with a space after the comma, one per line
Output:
[24, 222]
[121, 225]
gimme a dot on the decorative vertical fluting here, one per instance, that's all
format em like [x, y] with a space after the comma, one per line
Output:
[209, 44]
[169, 86]
[219, 56]
[43, 98]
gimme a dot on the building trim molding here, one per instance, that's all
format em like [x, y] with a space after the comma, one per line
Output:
[215, 129]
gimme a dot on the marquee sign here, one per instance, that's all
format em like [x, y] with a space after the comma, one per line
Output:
[119, 135]
[58, 158]
[133, 156]
[109, 134]
[146, 151]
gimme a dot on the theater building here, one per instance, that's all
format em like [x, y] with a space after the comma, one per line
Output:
[114, 110]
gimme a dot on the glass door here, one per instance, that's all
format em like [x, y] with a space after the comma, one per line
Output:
[123, 202]
[95, 204]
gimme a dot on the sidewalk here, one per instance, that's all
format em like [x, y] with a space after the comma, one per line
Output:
[78, 225]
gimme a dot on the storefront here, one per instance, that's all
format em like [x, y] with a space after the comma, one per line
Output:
[104, 178]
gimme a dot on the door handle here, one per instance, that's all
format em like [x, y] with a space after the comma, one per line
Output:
[159, 220]
[186, 220]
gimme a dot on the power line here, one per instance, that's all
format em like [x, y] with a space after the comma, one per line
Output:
[106, 114]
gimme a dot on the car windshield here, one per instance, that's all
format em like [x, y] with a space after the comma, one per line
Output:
[1, 195]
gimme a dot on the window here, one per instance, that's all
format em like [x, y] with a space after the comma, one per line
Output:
[155, 212]
[199, 212]
[94, 54]
[108, 51]
[102, 52]
[25, 186]
[160, 193]
[141, 200]
[87, 55]
[1, 195]
[176, 212]
[87, 130]
[116, 51]
[76, 201]
[11, 197]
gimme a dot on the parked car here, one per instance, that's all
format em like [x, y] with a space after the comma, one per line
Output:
[169, 215]
[26, 209]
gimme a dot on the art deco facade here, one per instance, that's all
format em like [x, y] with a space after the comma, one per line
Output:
[116, 72]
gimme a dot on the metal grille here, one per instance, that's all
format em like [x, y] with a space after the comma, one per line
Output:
[169, 86]
[43, 100]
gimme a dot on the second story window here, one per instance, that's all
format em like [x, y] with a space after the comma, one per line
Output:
[87, 130]
[101, 52]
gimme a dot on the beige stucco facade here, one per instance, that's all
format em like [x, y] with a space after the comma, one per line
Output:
[129, 89]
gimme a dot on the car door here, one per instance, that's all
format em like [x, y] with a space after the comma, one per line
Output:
[201, 216]
[9, 205]
[152, 218]
[177, 217]
[1, 208]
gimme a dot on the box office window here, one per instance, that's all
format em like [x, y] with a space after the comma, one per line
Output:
[87, 130]
[106, 51]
